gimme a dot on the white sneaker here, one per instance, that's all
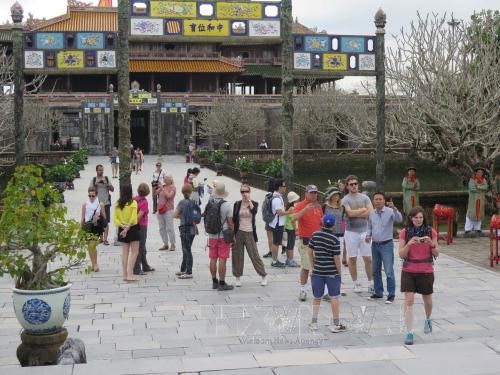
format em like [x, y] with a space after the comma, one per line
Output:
[263, 282]
[238, 282]
[302, 295]
[357, 288]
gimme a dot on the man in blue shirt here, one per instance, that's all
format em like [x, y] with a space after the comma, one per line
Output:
[380, 232]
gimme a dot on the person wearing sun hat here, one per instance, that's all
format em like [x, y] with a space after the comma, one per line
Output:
[478, 186]
[411, 187]
[219, 249]
[324, 257]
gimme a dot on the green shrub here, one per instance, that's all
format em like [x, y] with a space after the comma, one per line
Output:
[202, 154]
[244, 164]
[60, 173]
[274, 168]
[217, 157]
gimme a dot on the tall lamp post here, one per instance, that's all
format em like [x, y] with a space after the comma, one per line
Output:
[17, 43]
[380, 21]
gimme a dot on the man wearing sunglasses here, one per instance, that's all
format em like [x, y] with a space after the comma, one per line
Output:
[357, 207]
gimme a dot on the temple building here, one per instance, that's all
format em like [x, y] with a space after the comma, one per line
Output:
[182, 55]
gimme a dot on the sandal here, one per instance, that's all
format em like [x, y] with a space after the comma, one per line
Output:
[131, 280]
[164, 247]
[105, 242]
[172, 248]
[96, 269]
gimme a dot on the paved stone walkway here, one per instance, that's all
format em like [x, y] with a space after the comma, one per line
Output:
[164, 325]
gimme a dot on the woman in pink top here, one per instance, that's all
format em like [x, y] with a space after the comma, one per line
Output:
[142, 217]
[418, 248]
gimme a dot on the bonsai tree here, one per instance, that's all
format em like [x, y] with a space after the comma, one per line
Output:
[34, 233]
[244, 164]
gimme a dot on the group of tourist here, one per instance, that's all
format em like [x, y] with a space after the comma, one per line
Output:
[346, 226]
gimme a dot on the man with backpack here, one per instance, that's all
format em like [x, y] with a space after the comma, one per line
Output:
[273, 213]
[218, 220]
[308, 213]
[103, 187]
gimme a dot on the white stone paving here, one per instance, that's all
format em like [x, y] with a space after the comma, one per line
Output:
[163, 325]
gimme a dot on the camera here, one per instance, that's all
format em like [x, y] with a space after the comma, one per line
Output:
[421, 239]
[155, 184]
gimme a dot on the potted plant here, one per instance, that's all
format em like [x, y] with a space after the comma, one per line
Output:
[245, 166]
[202, 157]
[274, 168]
[38, 245]
[218, 158]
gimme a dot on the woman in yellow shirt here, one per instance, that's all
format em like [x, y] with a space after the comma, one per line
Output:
[128, 231]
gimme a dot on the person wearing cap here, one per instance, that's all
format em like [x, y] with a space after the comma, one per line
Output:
[290, 228]
[308, 214]
[156, 183]
[380, 233]
[245, 231]
[357, 207]
[219, 250]
[277, 226]
[478, 186]
[411, 186]
[324, 257]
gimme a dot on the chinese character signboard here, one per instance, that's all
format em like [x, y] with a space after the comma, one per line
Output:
[205, 18]
[334, 52]
[173, 106]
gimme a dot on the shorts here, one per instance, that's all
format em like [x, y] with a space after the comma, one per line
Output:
[355, 244]
[341, 241]
[318, 285]
[421, 283]
[107, 209]
[278, 234]
[131, 236]
[304, 258]
[218, 248]
[290, 240]
[268, 228]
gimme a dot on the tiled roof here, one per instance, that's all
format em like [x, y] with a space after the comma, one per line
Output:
[265, 71]
[182, 66]
[298, 28]
[83, 19]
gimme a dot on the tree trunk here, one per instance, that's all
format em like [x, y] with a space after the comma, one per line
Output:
[123, 91]
[287, 90]
[20, 134]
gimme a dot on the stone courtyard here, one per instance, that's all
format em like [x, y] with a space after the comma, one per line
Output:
[164, 325]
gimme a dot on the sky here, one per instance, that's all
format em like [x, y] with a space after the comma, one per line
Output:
[334, 16]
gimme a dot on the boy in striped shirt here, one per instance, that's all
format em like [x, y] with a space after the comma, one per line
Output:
[324, 256]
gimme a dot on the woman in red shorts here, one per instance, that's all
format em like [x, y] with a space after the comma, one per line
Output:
[418, 248]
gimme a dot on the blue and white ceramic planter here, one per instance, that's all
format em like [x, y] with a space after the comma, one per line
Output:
[42, 311]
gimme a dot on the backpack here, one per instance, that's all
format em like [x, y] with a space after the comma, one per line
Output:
[212, 217]
[192, 214]
[267, 208]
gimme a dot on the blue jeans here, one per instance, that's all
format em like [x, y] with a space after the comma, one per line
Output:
[383, 254]
[187, 238]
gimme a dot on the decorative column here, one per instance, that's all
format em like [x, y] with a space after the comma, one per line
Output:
[111, 117]
[123, 91]
[380, 21]
[160, 121]
[287, 91]
[17, 46]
